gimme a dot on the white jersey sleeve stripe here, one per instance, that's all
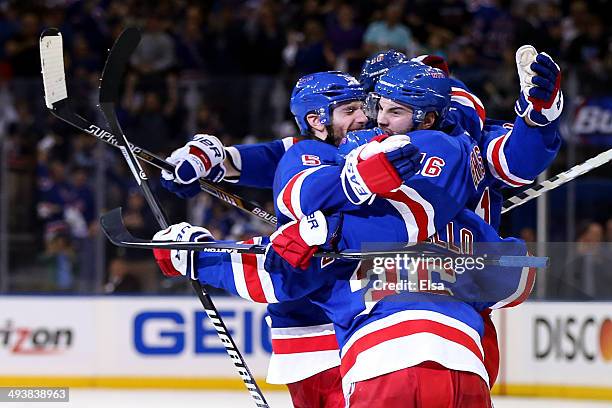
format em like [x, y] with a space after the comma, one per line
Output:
[496, 159]
[264, 277]
[239, 281]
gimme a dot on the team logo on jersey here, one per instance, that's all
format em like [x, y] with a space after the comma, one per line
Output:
[476, 166]
[310, 160]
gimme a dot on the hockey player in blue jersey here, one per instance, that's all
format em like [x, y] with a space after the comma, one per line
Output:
[284, 142]
[515, 153]
[419, 227]
[512, 158]
[417, 215]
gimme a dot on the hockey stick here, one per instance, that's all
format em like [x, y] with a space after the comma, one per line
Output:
[56, 99]
[558, 180]
[117, 233]
[114, 69]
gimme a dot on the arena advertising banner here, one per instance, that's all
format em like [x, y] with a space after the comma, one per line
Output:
[134, 339]
[593, 121]
[547, 348]
[557, 348]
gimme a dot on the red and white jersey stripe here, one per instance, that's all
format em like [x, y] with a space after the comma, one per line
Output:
[250, 277]
[418, 214]
[288, 201]
[496, 158]
[384, 346]
[523, 290]
[301, 352]
[465, 98]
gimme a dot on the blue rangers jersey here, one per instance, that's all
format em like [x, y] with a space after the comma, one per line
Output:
[308, 179]
[378, 317]
[308, 338]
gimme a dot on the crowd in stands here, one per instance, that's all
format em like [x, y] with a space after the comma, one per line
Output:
[226, 67]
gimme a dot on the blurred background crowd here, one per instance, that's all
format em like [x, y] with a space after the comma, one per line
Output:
[226, 67]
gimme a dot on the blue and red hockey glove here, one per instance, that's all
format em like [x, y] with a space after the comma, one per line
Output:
[379, 167]
[175, 262]
[203, 156]
[541, 99]
[296, 242]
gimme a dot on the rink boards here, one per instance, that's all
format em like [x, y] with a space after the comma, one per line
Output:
[548, 349]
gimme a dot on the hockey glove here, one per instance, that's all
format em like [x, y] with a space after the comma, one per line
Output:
[202, 157]
[174, 262]
[379, 167]
[541, 99]
[297, 241]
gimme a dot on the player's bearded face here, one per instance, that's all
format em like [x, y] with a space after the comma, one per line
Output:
[348, 117]
[394, 118]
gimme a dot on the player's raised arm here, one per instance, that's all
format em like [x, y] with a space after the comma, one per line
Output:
[516, 154]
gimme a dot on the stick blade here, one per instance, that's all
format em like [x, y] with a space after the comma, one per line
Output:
[52, 66]
[116, 63]
[114, 228]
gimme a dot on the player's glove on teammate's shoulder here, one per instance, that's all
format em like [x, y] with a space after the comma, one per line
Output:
[296, 242]
[379, 167]
[203, 156]
[175, 262]
[541, 99]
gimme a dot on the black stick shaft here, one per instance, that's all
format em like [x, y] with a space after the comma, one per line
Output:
[109, 92]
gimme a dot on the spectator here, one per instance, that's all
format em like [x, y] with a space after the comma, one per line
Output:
[266, 40]
[155, 53]
[8, 114]
[54, 192]
[312, 53]
[389, 32]
[588, 53]
[139, 220]
[189, 41]
[120, 279]
[493, 31]
[59, 258]
[500, 90]
[582, 277]
[24, 59]
[345, 36]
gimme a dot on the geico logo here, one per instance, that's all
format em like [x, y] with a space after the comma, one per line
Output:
[171, 332]
[34, 340]
[569, 338]
[593, 119]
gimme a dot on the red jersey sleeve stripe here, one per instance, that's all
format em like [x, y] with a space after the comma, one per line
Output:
[480, 110]
[496, 159]
[251, 276]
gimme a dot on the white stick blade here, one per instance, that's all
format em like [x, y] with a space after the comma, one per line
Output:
[52, 63]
